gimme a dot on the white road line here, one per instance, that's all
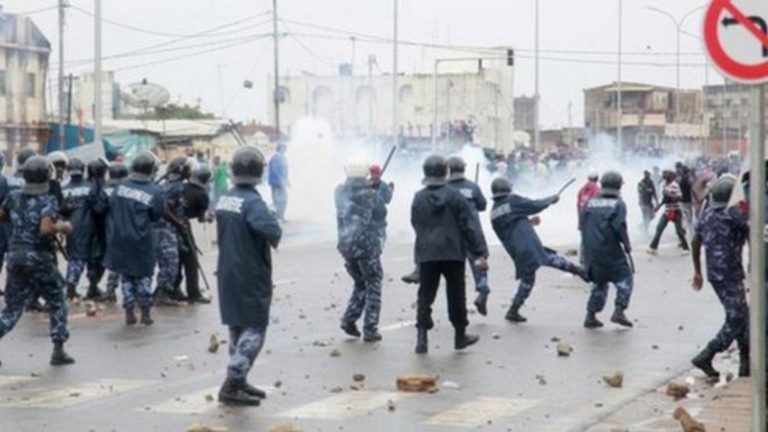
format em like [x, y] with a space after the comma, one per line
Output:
[397, 326]
[198, 402]
[343, 406]
[13, 380]
[479, 412]
[64, 397]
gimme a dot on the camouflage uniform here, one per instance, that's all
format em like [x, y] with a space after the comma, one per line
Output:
[245, 343]
[136, 289]
[31, 263]
[360, 212]
[723, 232]
[166, 238]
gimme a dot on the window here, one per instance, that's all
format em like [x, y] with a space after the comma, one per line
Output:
[29, 85]
[2, 83]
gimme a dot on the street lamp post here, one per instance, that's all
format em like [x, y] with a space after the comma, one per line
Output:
[97, 75]
[395, 140]
[536, 96]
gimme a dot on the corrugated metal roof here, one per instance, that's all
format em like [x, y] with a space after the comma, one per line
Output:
[168, 128]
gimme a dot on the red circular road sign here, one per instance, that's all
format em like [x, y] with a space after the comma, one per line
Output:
[725, 16]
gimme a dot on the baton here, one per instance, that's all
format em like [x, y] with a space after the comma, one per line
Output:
[631, 262]
[194, 250]
[567, 185]
[389, 159]
[477, 172]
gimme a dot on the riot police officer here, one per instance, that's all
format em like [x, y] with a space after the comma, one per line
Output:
[196, 203]
[117, 172]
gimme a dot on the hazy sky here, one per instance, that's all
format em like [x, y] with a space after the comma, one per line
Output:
[578, 39]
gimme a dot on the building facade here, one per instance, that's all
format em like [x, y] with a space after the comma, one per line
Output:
[23, 74]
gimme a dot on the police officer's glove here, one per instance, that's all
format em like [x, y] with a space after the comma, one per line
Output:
[535, 221]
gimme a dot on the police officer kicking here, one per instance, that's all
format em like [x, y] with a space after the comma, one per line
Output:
[117, 172]
[247, 231]
[136, 203]
[477, 203]
[445, 236]
[723, 231]
[510, 220]
[31, 264]
[606, 248]
[360, 213]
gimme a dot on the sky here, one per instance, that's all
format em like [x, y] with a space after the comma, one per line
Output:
[578, 39]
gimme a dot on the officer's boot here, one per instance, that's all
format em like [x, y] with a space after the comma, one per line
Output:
[481, 303]
[110, 295]
[253, 391]
[591, 321]
[462, 340]
[177, 294]
[421, 341]
[130, 316]
[72, 292]
[703, 361]
[744, 362]
[513, 315]
[163, 299]
[619, 318]
[351, 329]
[59, 356]
[232, 393]
[146, 318]
[94, 293]
[412, 277]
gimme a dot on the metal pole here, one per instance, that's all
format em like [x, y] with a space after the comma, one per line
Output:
[370, 96]
[62, 101]
[619, 114]
[757, 255]
[677, 88]
[395, 140]
[276, 97]
[536, 96]
[724, 120]
[434, 109]
[97, 76]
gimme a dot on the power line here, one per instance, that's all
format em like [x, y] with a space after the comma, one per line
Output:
[306, 48]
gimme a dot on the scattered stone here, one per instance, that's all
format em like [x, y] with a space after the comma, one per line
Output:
[209, 398]
[496, 336]
[555, 339]
[337, 390]
[680, 328]
[391, 405]
[213, 344]
[278, 384]
[285, 428]
[451, 385]
[358, 377]
[688, 423]
[564, 349]
[571, 252]
[729, 377]
[654, 346]
[541, 379]
[354, 388]
[615, 381]
[203, 428]
[335, 353]
[677, 391]
[91, 309]
[320, 343]
[417, 383]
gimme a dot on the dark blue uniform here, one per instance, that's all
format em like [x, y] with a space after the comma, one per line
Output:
[385, 193]
[31, 263]
[360, 212]
[167, 238]
[723, 232]
[247, 231]
[605, 241]
[509, 218]
[85, 246]
[113, 279]
[477, 203]
[133, 207]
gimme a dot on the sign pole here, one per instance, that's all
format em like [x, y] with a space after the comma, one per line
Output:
[757, 255]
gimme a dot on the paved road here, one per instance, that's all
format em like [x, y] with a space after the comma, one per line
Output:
[158, 378]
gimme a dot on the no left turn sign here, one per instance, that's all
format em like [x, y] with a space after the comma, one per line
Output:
[736, 39]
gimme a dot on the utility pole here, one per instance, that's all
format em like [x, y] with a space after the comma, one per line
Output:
[276, 96]
[62, 101]
[371, 60]
[619, 113]
[570, 124]
[536, 96]
[97, 76]
[395, 140]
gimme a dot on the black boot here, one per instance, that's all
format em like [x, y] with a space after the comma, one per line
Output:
[110, 295]
[130, 317]
[481, 303]
[412, 277]
[177, 295]
[146, 318]
[591, 321]
[163, 299]
[351, 329]
[744, 363]
[372, 337]
[703, 361]
[253, 391]
[619, 318]
[94, 293]
[463, 340]
[232, 393]
[513, 315]
[421, 341]
[59, 356]
[72, 292]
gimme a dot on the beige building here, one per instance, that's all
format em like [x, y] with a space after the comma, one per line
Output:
[23, 68]
[475, 96]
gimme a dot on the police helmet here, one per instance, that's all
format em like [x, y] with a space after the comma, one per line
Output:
[611, 182]
[720, 192]
[117, 171]
[435, 170]
[456, 167]
[179, 168]
[97, 169]
[594, 175]
[23, 155]
[75, 167]
[59, 159]
[500, 187]
[37, 174]
[356, 169]
[247, 166]
[144, 166]
[202, 175]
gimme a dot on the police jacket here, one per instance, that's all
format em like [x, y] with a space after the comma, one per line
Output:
[606, 239]
[384, 191]
[360, 212]
[78, 212]
[442, 220]
[475, 198]
[196, 200]
[133, 207]
[247, 230]
[509, 218]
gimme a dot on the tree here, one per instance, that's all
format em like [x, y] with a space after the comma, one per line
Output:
[182, 112]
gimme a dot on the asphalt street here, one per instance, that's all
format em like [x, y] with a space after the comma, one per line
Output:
[162, 378]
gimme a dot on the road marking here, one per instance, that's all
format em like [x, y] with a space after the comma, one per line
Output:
[397, 326]
[343, 406]
[199, 402]
[13, 380]
[481, 411]
[64, 397]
